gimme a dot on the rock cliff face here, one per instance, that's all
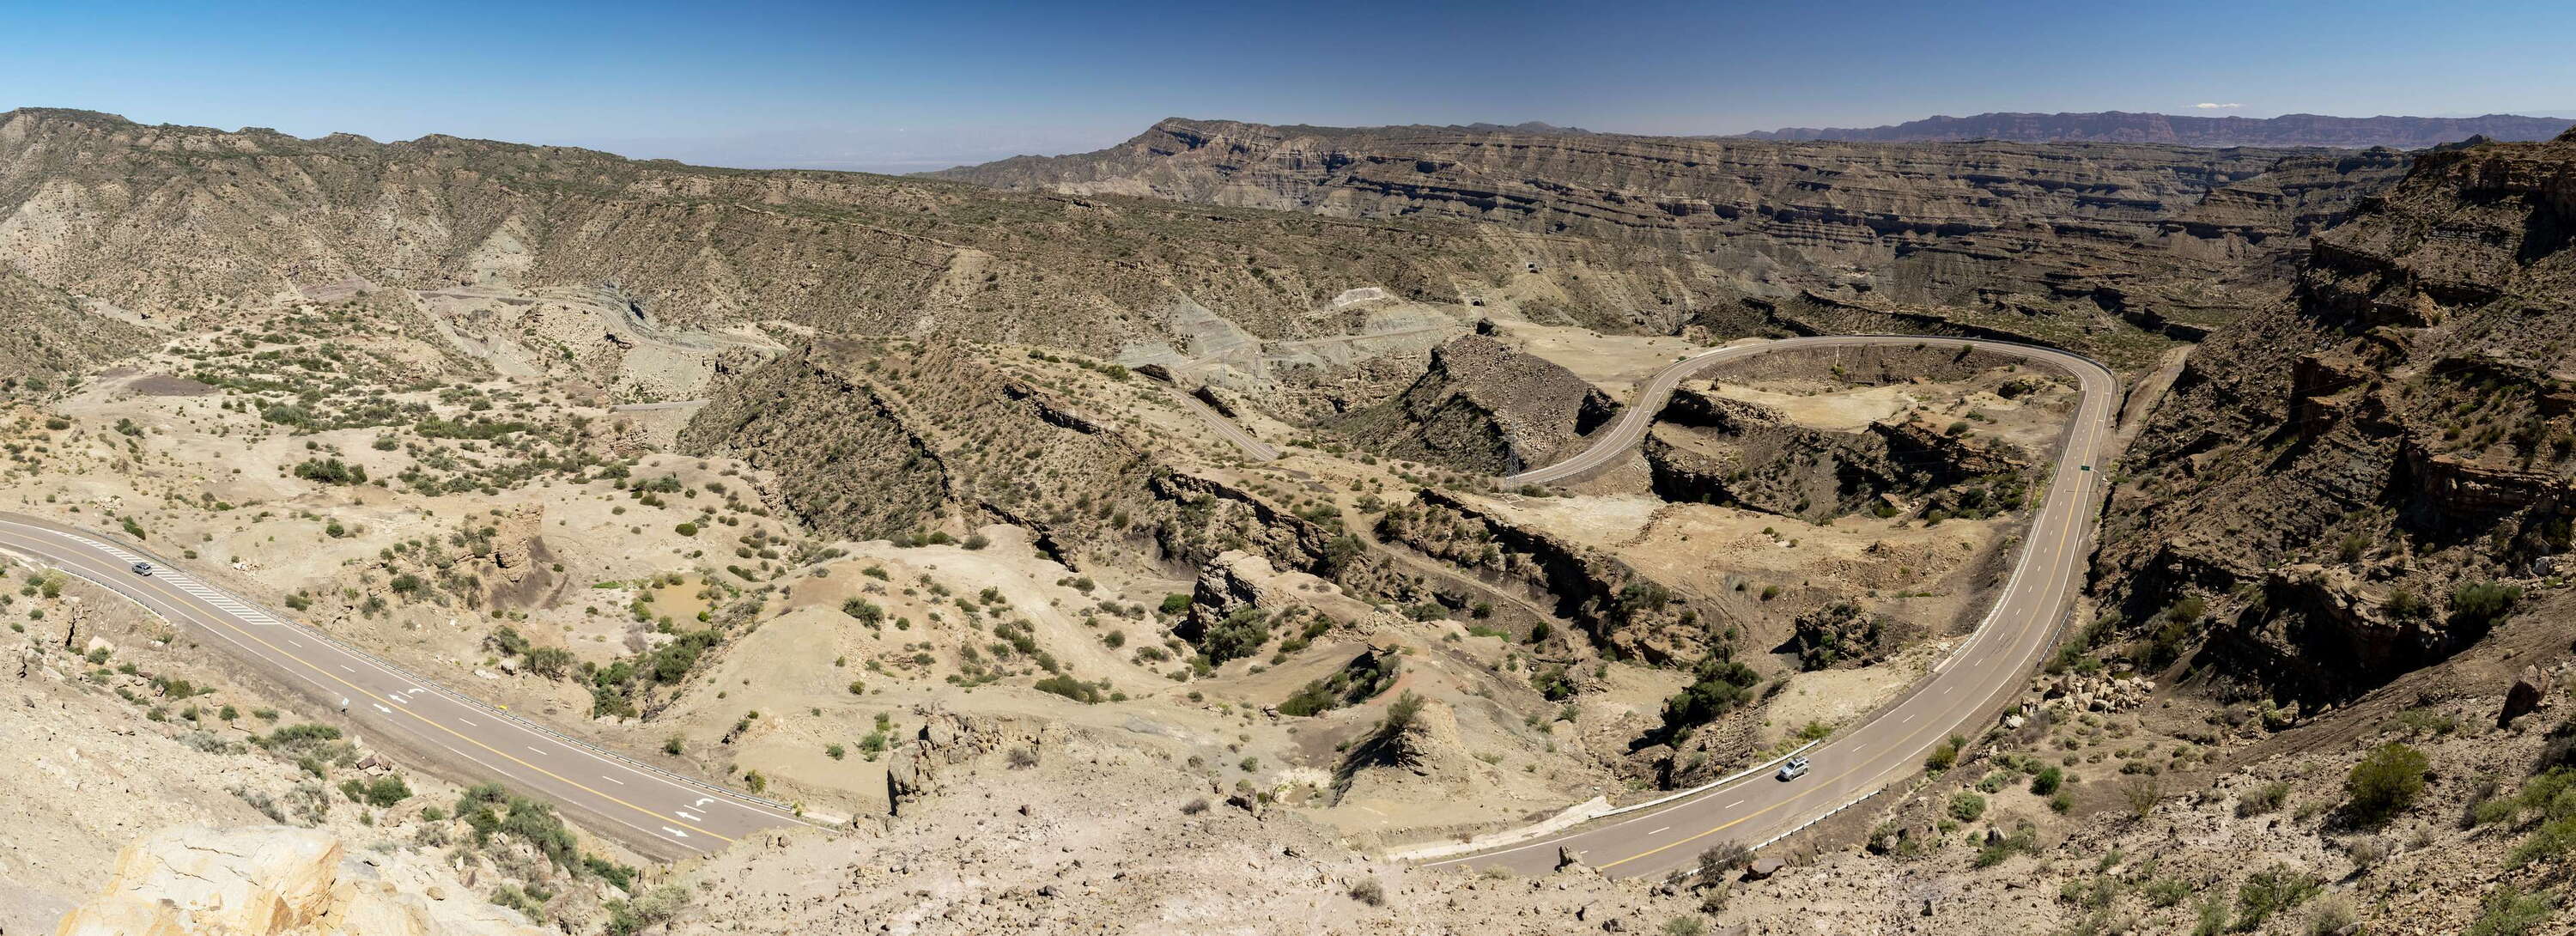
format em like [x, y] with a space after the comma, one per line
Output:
[1486, 408]
[1715, 450]
[2058, 229]
[2120, 127]
[1619, 609]
[267, 881]
[2404, 427]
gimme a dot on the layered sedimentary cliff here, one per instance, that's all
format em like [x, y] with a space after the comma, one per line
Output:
[2044, 229]
[2356, 479]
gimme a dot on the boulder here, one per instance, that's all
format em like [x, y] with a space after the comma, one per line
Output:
[2528, 690]
[1763, 868]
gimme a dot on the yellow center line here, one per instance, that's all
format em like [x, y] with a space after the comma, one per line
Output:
[178, 598]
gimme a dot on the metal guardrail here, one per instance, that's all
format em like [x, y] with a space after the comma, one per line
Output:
[1548, 826]
[134, 555]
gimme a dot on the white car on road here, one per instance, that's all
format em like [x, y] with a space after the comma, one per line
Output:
[1795, 768]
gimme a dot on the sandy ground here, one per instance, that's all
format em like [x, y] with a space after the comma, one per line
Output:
[1845, 410]
[1615, 363]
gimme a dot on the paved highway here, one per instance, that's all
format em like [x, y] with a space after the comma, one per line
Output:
[670, 815]
[1252, 446]
[1961, 695]
[655, 811]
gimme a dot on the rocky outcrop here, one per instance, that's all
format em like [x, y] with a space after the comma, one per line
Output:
[2322, 632]
[2398, 428]
[1842, 635]
[923, 765]
[1201, 518]
[267, 881]
[1483, 407]
[1426, 750]
[1712, 449]
[1615, 605]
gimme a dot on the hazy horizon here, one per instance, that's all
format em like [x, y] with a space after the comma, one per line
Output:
[899, 88]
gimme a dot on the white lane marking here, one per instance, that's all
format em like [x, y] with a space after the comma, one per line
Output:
[612, 779]
[1735, 804]
[294, 641]
[675, 832]
[1660, 831]
[467, 721]
[540, 751]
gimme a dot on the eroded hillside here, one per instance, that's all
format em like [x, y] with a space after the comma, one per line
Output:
[2055, 240]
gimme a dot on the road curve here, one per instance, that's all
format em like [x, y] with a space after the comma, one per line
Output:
[655, 811]
[1963, 691]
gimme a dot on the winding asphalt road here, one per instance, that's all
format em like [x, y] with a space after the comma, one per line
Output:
[655, 811]
[663, 813]
[1964, 691]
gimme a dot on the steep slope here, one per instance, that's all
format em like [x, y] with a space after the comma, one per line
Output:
[2123, 127]
[45, 333]
[2363, 480]
[2082, 231]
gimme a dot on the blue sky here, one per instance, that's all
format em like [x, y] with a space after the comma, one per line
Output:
[900, 87]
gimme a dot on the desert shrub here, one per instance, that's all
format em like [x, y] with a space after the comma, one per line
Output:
[1071, 688]
[1240, 635]
[2271, 891]
[2507, 911]
[2483, 603]
[330, 471]
[2385, 782]
[1966, 806]
[1719, 685]
[2263, 799]
[1370, 892]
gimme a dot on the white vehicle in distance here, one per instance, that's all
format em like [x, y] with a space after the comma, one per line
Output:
[142, 568]
[1795, 768]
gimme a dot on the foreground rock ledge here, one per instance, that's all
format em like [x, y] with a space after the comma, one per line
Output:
[266, 881]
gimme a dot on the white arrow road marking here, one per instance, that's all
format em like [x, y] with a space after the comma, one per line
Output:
[703, 800]
[685, 815]
[384, 710]
[675, 832]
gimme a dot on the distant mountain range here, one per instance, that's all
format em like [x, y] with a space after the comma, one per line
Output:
[2124, 127]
